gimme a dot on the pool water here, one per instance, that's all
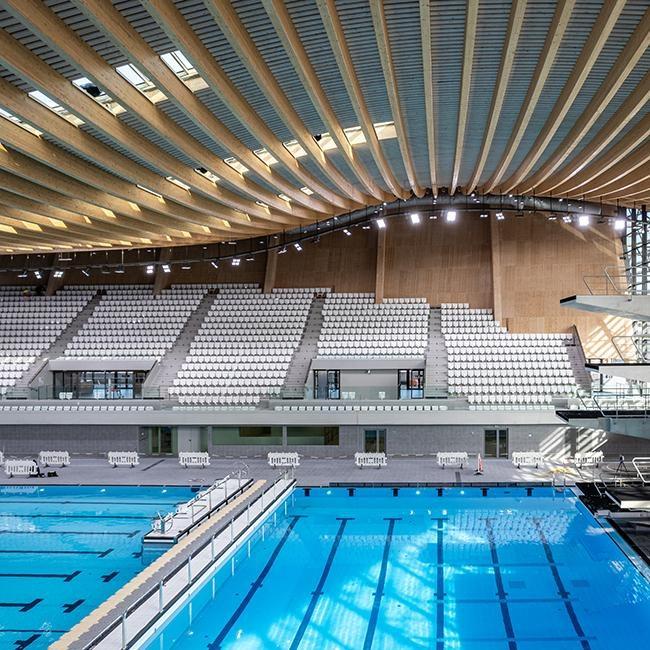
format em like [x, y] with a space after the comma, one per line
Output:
[64, 550]
[513, 569]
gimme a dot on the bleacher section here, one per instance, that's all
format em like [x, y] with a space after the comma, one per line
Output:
[130, 321]
[244, 346]
[355, 326]
[29, 325]
[493, 367]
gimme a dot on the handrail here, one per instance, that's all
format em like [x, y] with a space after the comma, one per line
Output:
[163, 606]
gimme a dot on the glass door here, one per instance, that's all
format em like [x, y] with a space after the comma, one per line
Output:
[374, 441]
[496, 443]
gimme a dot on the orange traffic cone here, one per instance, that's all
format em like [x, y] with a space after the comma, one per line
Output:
[479, 466]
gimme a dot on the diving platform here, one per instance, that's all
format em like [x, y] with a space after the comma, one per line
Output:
[630, 497]
[635, 307]
[630, 371]
[169, 528]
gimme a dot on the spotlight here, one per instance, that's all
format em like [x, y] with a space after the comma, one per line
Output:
[282, 251]
[119, 269]
[186, 266]
[583, 220]
[58, 273]
[451, 216]
[619, 224]
[297, 246]
[150, 270]
[414, 217]
[381, 224]
[347, 232]
[215, 264]
[567, 218]
[23, 274]
[500, 216]
[236, 261]
[38, 275]
[484, 215]
[86, 272]
[166, 268]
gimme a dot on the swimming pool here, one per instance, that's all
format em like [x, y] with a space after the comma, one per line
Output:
[65, 549]
[470, 569]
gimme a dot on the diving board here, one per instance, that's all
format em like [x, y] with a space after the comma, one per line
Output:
[167, 529]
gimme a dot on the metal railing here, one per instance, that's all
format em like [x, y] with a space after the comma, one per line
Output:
[161, 598]
[612, 282]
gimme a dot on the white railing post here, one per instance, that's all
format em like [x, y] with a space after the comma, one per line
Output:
[248, 514]
[189, 570]
[212, 548]
[124, 640]
[232, 529]
[161, 597]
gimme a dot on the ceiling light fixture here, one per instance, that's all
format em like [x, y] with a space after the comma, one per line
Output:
[414, 217]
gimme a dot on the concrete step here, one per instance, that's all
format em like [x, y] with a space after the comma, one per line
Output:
[296, 378]
[57, 349]
[435, 374]
[164, 372]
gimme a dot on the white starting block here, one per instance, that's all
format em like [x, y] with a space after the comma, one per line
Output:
[458, 458]
[123, 458]
[588, 458]
[2, 458]
[366, 459]
[194, 458]
[527, 459]
[283, 459]
[20, 467]
[48, 458]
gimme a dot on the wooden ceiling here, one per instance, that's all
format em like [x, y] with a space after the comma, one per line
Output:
[130, 123]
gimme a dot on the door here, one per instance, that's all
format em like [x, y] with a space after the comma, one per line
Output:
[189, 438]
[374, 441]
[496, 443]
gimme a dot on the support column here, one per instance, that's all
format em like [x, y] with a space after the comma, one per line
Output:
[495, 247]
[271, 268]
[380, 268]
[162, 280]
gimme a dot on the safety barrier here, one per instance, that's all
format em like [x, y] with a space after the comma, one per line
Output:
[365, 459]
[194, 458]
[123, 458]
[527, 459]
[48, 458]
[458, 458]
[283, 459]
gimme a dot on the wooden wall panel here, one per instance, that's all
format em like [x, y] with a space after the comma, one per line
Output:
[337, 261]
[543, 262]
[444, 262]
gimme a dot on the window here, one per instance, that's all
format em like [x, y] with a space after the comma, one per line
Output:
[247, 435]
[306, 435]
[327, 384]
[99, 384]
[410, 384]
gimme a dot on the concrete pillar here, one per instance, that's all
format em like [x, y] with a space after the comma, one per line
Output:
[495, 247]
[380, 267]
[271, 268]
[162, 280]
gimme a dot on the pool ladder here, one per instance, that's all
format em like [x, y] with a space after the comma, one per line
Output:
[560, 487]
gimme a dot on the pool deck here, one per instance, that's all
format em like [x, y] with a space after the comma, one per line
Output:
[311, 472]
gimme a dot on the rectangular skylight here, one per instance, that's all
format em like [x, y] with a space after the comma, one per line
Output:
[236, 165]
[265, 156]
[178, 63]
[295, 149]
[55, 107]
[133, 76]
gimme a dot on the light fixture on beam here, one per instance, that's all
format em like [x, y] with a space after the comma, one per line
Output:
[583, 220]
[166, 268]
[619, 224]
[500, 216]
[451, 216]
[297, 246]
[58, 273]
[236, 261]
[215, 264]
[414, 217]
[381, 223]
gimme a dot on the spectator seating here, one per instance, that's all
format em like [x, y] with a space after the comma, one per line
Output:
[493, 367]
[29, 325]
[130, 321]
[355, 326]
[244, 346]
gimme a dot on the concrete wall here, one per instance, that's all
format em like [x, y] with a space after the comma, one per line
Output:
[30, 439]
[555, 441]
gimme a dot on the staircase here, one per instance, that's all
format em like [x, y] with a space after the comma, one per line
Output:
[294, 382]
[581, 374]
[57, 349]
[435, 374]
[164, 372]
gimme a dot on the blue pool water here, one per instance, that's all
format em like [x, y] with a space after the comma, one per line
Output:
[64, 550]
[460, 570]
